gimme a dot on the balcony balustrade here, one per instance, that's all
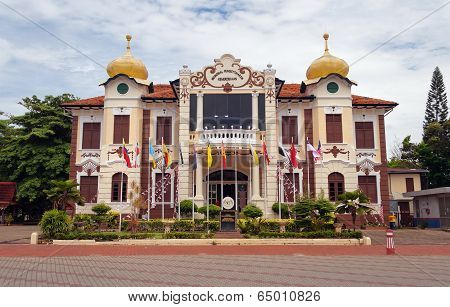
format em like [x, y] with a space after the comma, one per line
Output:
[227, 136]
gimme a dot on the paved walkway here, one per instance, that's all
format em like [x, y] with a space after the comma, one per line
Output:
[17, 233]
[225, 270]
[411, 237]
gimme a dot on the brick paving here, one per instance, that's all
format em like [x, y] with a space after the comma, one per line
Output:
[411, 237]
[225, 270]
[17, 234]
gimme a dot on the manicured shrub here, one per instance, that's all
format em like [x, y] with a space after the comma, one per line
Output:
[250, 225]
[155, 225]
[186, 208]
[251, 211]
[270, 226]
[183, 235]
[183, 225]
[101, 209]
[55, 221]
[284, 210]
[102, 236]
[326, 234]
[214, 211]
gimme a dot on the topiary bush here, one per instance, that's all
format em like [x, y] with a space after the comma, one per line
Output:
[186, 208]
[214, 211]
[285, 212]
[251, 211]
[55, 221]
[183, 225]
[101, 209]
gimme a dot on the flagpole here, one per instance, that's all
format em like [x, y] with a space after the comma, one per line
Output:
[307, 165]
[121, 199]
[293, 169]
[178, 191]
[207, 197]
[250, 177]
[221, 178]
[163, 181]
[193, 189]
[148, 190]
[279, 190]
[235, 178]
[265, 176]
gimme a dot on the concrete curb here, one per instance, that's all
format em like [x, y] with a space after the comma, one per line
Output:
[203, 242]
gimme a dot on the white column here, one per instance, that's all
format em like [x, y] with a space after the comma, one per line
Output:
[199, 179]
[255, 111]
[200, 112]
[255, 183]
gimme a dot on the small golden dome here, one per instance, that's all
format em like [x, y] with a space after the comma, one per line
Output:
[327, 64]
[128, 65]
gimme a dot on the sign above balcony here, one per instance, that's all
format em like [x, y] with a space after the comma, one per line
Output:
[227, 73]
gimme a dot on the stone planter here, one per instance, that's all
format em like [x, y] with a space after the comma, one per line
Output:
[282, 224]
[168, 225]
[338, 227]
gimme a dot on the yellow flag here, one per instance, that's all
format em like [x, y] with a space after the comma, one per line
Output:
[255, 155]
[209, 156]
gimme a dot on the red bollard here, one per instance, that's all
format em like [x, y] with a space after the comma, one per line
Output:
[390, 249]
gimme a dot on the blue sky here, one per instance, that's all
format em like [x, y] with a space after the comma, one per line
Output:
[168, 34]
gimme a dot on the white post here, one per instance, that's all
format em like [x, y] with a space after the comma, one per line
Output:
[207, 205]
[121, 200]
[163, 192]
[307, 168]
[193, 189]
[255, 111]
[148, 190]
[221, 179]
[279, 192]
[265, 184]
[178, 192]
[235, 178]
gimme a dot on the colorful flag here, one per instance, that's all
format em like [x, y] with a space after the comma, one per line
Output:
[254, 154]
[166, 153]
[285, 155]
[316, 153]
[194, 158]
[137, 154]
[151, 154]
[224, 157]
[209, 156]
[125, 155]
[266, 155]
[181, 154]
[293, 153]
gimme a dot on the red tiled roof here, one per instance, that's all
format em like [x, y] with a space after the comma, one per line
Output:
[161, 91]
[7, 193]
[362, 101]
[289, 90]
[94, 102]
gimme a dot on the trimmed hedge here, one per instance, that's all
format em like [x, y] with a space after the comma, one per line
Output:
[187, 235]
[326, 234]
[183, 225]
[149, 226]
[102, 236]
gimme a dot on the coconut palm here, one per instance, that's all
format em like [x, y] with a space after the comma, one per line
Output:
[354, 203]
[64, 192]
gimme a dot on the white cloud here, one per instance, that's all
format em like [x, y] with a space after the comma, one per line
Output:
[168, 34]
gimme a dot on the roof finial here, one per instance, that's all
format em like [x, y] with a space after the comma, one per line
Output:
[325, 37]
[128, 37]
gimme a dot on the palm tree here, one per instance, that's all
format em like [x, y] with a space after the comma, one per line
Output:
[64, 192]
[353, 203]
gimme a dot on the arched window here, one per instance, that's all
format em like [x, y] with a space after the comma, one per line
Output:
[116, 189]
[335, 185]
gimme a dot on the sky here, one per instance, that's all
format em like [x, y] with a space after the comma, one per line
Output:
[52, 47]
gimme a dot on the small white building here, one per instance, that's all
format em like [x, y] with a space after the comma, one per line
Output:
[432, 207]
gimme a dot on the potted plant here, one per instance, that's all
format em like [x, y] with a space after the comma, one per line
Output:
[9, 219]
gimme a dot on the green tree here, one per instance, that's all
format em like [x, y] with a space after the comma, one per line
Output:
[315, 213]
[436, 107]
[64, 192]
[354, 203]
[34, 149]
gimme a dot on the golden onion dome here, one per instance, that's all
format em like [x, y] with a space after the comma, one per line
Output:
[327, 64]
[128, 65]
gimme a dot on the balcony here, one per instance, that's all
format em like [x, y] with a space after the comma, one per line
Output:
[227, 136]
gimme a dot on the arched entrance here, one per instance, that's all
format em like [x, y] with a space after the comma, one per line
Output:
[229, 187]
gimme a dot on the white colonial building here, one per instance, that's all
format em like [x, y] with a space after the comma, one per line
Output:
[229, 103]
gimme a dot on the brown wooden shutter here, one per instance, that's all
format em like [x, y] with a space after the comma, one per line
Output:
[368, 184]
[121, 129]
[168, 130]
[116, 189]
[334, 128]
[289, 129]
[89, 188]
[409, 184]
[91, 136]
[164, 130]
[364, 135]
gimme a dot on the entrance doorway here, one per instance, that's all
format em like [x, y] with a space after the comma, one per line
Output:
[229, 187]
[405, 214]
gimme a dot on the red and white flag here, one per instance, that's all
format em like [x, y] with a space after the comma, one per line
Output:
[137, 155]
[265, 153]
[293, 153]
[317, 153]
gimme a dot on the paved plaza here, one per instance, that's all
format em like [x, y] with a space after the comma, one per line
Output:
[225, 270]
[423, 259]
